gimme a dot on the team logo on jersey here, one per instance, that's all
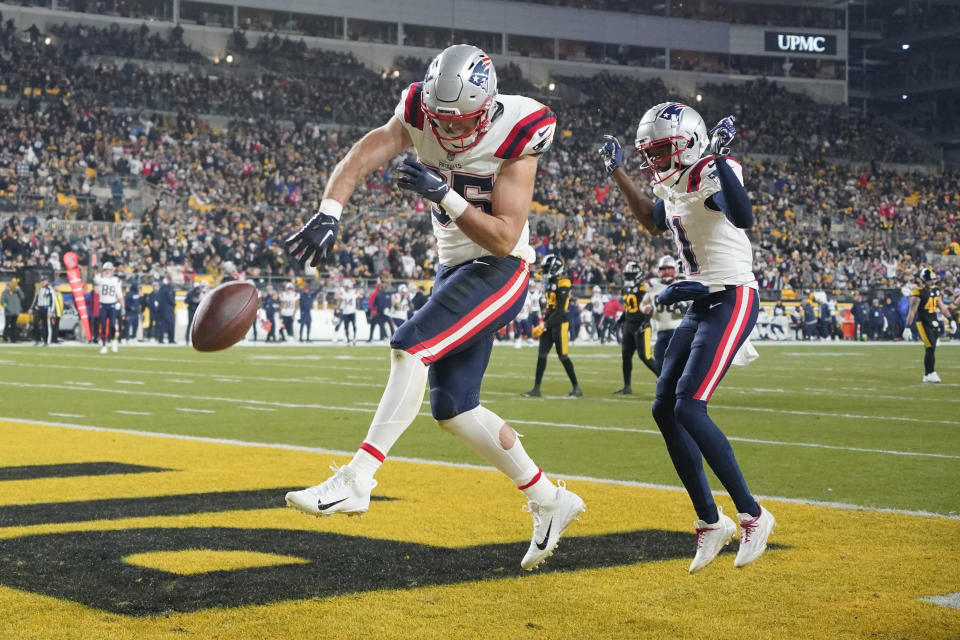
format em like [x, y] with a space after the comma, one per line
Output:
[672, 112]
[480, 74]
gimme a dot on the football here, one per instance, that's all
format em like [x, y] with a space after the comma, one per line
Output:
[224, 316]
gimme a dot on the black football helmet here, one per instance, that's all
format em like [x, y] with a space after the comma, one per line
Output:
[631, 273]
[926, 276]
[552, 265]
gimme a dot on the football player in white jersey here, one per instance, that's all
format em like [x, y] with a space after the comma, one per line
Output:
[701, 199]
[477, 154]
[288, 307]
[597, 301]
[663, 318]
[347, 304]
[111, 307]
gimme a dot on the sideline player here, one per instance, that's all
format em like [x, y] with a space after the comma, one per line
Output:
[925, 301]
[556, 329]
[701, 199]
[477, 155]
[636, 327]
[111, 307]
[665, 319]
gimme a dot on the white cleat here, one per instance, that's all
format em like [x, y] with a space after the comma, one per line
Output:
[549, 523]
[711, 538]
[343, 492]
[931, 377]
[103, 349]
[114, 347]
[753, 536]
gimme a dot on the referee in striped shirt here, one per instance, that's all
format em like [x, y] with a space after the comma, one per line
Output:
[42, 304]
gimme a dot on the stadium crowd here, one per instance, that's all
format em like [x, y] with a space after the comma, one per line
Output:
[227, 194]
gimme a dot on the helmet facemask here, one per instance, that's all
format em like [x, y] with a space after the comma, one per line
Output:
[661, 158]
[668, 274]
[445, 127]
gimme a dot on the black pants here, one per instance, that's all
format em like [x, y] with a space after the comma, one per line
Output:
[10, 332]
[41, 324]
[930, 334]
[636, 339]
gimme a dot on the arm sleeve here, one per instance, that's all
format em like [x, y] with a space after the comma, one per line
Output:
[732, 198]
[660, 215]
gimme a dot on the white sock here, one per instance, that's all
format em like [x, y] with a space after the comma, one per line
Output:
[480, 428]
[398, 407]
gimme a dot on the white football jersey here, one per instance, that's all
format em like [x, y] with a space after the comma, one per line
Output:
[519, 126]
[663, 318]
[713, 251]
[348, 301]
[597, 302]
[109, 289]
[288, 303]
[398, 307]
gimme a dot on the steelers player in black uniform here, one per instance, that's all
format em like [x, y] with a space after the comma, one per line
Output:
[636, 327]
[556, 325]
[924, 303]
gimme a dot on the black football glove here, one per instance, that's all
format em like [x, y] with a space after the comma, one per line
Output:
[423, 180]
[721, 135]
[681, 290]
[611, 153]
[314, 240]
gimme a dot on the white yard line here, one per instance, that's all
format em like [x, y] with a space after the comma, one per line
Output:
[951, 600]
[558, 425]
[189, 410]
[65, 415]
[461, 465]
[129, 381]
[133, 413]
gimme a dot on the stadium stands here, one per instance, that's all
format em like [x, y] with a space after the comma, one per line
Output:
[121, 127]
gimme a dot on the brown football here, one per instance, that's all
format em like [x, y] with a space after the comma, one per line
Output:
[224, 316]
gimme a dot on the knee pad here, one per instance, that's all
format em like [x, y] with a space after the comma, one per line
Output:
[663, 412]
[564, 358]
[443, 406]
[687, 410]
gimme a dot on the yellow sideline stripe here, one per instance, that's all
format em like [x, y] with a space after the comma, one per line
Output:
[839, 574]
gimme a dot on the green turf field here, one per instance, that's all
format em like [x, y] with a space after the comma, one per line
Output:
[141, 496]
[838, 423]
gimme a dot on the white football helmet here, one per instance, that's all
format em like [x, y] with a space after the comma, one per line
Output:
[667, 268]
[461, 84]
[670, 136]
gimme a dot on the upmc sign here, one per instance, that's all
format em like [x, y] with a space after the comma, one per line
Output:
[809, 43]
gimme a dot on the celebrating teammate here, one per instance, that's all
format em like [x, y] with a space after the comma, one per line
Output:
[701, 199]
[924, 303]
[555, 326]
[477, 155]
[664, 319]
[111, 307]
[636, 327]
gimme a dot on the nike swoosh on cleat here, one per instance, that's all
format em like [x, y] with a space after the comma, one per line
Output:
[324, 507]
[543, 545]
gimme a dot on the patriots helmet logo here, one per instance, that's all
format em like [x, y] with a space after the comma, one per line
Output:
[480, 74]
[672, 111]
